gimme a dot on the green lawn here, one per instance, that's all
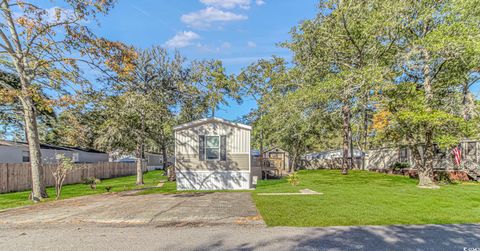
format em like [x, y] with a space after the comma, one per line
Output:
[360, 198]
[118, 184]
[366, 198]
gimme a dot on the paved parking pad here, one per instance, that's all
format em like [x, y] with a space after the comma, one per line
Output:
[155, 209]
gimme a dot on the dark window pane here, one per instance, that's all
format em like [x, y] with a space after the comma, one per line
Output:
[213, 153]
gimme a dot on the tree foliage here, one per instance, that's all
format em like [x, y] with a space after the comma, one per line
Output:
[45, 49]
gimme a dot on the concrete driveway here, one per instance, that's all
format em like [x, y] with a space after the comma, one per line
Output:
[194, 209]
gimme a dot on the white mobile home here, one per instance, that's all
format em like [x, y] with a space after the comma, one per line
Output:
[18, 152]
[212, 154]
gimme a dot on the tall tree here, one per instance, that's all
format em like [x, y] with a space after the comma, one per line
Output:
[212, 82]
[257, 81]
[140, 115]
[424, 106]
[343, 51]
[11, 116]
[45, 48]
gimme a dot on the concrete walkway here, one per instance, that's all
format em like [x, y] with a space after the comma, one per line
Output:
[234, 237]
[197, 209]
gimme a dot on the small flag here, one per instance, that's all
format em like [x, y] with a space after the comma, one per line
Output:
[457, 154]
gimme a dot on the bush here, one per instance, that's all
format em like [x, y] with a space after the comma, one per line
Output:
[293, 179]
[92, 181]
[400, 165]
[60, 173]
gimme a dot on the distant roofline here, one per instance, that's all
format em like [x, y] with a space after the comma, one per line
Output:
[47, 146]
[207, 120]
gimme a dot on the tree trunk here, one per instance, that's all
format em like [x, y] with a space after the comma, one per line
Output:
[464, 102]
[365, 135]
[365, 123]
[164, 158]
[425, 171]
[294, 163]
[139, 151]
[139, 163]
[31, 128]
[261, 149]
[346, 163]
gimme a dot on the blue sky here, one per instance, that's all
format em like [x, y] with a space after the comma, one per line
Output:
[238, 32]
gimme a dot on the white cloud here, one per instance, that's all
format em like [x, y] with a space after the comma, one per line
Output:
[205, 18]
[227, 4]
[226, 45]
[182, 39]
[251, 44]
[260, 2]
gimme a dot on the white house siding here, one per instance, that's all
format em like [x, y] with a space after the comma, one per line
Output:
[49, 156]
[10, 154]
[238, 139]
[91, 157]
[193, 174]
[213, 180]
[14, 154]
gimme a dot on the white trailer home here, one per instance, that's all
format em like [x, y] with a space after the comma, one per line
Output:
[18, 152]
[212, 154]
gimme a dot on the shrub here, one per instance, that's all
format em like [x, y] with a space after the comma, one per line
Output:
[92, 181]
[293, 179]
[400, 165]
[65, 165]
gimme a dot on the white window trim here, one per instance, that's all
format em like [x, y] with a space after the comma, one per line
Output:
[219, 148]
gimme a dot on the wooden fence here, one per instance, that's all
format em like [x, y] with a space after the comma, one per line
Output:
[18, 177]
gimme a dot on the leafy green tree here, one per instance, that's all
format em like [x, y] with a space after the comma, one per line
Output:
[141, 115]
[423, 107]
[343, 53]
[46, 50]
[257, 81]
[212, 82]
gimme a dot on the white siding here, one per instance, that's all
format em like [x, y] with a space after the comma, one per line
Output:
[92, 157]
[9, 154]
[213, 180]
[193, 174]
[238, 139]
[13, 154]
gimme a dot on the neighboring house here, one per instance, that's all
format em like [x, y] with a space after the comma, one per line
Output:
[154, 161]
[332, 154]
[17, 152]
[332, 159]
[212, 154]
[384, 158]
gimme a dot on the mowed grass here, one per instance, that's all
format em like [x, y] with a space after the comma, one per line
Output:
[365, 198]
[151, 179]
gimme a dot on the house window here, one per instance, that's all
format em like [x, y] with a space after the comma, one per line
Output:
[75, 157]
[212, 147]
[25, 156]
[403, 155]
